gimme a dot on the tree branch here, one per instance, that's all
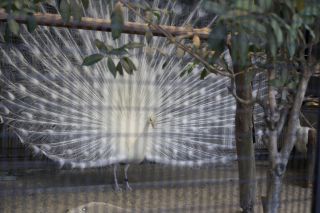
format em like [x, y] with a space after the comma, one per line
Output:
[289, 140]
[282, 120]
[87, 23]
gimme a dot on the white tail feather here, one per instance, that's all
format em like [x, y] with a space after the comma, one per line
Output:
[85, 117]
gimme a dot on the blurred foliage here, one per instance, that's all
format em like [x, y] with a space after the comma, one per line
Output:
[71, 8]
[27, 8]
[14, 8]
[283, 30]
[117, 20]
[276, 27]
[121, 54]
[263, 25]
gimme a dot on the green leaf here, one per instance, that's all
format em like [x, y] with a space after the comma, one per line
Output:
[118, 51]
[117, 21]
[311, 9]
[265, 4]
[130, 63]
[112, 67]
[272, 45]
[254, 26]
[17, 4]
[99, 44]
[243, 48]
[65, 10]
[157, 14]
[126, 66]
[281, 21]
[277, 31]
[243, 4]
[102, 46]
[13, 26]
[291, 42]
[119, 68]
[188, 69]
[217, 38]
[203, 74]
[76, 10]
[92, 59]
[216, 8]
[31, 23]
[132, 45]
[239, 50]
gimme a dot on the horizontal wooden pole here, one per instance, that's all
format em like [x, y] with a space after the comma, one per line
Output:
[87, 23]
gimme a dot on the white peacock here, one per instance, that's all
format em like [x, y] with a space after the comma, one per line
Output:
[84, 117]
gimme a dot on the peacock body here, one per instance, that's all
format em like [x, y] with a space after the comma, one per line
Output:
[84, 117]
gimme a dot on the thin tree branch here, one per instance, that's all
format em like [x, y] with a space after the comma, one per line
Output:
[232, 90]
[294, 114]
[87, 23]
[272, 93]
[282, 120]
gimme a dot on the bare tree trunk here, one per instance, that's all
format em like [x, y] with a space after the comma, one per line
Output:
[279, 159]
[275, 174]
[244, 143]
[272, 202]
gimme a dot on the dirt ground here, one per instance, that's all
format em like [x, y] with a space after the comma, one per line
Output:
[156, 188]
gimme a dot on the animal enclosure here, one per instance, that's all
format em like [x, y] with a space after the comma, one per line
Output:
[64, 125]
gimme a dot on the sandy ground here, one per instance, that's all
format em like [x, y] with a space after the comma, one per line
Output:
[156, 188]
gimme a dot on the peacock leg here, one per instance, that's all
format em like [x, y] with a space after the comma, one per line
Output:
[126, 177]
[116, 185]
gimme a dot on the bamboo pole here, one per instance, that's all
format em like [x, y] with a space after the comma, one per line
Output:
[87, 23]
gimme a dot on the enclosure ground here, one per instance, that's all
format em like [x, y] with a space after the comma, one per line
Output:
[156, 188]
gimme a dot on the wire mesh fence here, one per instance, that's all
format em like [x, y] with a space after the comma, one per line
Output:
[68, 117]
